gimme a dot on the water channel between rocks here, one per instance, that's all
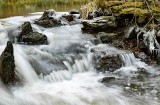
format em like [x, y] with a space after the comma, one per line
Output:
[63, 73]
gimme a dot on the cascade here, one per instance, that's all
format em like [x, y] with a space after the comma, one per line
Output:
[62, 72]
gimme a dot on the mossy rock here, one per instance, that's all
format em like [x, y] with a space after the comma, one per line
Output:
[113, 3]
[127, 5]
[88, 8]
[135, 11]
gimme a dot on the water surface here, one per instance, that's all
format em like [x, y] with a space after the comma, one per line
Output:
[8, 9]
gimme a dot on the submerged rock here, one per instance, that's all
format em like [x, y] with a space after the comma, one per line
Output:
[48, 19]
[99, 24]
[107, 79]
[7, 65]
[28, 36]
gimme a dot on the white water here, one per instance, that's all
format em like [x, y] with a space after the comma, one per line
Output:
[62, 73]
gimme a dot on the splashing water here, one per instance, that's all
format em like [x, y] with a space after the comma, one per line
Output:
[61, 73]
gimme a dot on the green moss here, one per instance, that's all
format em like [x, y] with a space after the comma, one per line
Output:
[85, 10]
[133, 4]
[155, 9]
[127, 5]
[113, 3]
[135, 11]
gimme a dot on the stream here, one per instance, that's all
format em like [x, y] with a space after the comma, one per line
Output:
[63, 73]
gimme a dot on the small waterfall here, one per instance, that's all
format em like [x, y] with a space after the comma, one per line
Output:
[128, 59]
[78, 66]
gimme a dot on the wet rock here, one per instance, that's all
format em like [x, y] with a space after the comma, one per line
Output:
[158, 33]
[107, 79]
[118, 44]
[28, 36]
[7, 65]
[109, 63]
[48, 19]
[69, 17]
[142, 56]
[74, 11]
[107, 37]
[99, 24]
[96, 41]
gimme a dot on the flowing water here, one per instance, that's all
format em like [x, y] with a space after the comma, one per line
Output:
[62, 73]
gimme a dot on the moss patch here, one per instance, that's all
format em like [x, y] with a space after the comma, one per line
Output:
[135, 11]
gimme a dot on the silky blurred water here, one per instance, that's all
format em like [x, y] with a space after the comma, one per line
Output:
[62, 72]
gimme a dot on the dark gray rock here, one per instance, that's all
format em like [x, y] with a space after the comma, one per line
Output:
[107, 79]
[99, 24]
[74, 11]
[69, 17]
[158, 33]
[107, 37]
[109, 63]
[135, 33]
[48, 19]
[28, 36]
[7, 65]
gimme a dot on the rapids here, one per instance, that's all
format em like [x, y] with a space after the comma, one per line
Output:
[62, 73]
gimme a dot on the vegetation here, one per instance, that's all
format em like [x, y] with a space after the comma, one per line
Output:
[142, 10]
[35, 2]
[22, 7]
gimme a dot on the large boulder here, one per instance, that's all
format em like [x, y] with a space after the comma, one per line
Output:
[48, 19]
[28, 36]
[7, 65]
[103, 23]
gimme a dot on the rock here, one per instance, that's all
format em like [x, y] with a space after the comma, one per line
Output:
[48, 14]
[69, 17]
[74, 11]
[109, 63]
[118, 44]
[107, 37]
[7, 65]
[99, 24]
[135, 33]
[158, 33]
[28, 36]
[48, 20]
[97, 13]
[107, 79]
